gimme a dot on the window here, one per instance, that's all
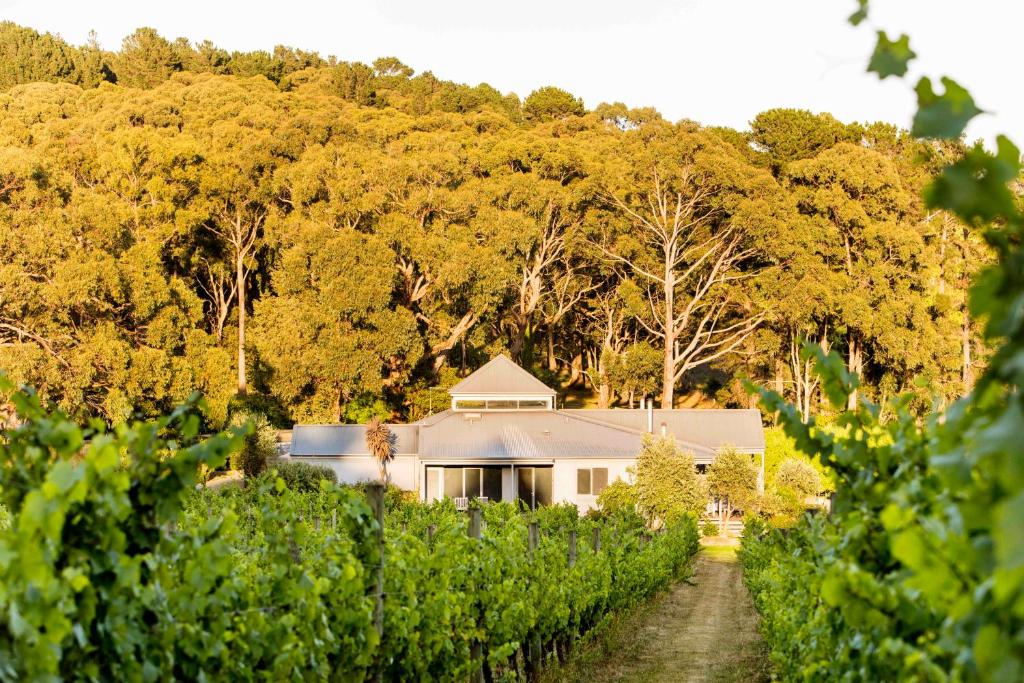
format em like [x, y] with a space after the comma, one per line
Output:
[470, 405]
[501, 405]
[590, 481]
[533, 404]
[583, 482]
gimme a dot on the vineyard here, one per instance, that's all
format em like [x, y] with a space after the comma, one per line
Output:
[117, 568]
[918, 575]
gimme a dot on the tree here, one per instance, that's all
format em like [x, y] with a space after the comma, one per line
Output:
[686, 252]
[858, 211]
[146, 59]
[785, 135]
[799, 477]
[549, 102]
[259, 446]
[732, 477]
[667, 483]
[380, 441]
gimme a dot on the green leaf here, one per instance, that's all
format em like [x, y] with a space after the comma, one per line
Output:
[861, 14]
[975, 188]
[891, 56]
[945, 115]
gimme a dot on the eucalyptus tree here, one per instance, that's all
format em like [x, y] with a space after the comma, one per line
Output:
[691, 213]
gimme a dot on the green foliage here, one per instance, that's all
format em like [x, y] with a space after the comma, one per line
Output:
[549, 102]
[667, 484]
[891, 57]
[259, 446]
[708, 528]
[799, 477]
[618, 495]
[733, 475]
[945, 115]
[919, 572]
[381, 222]
[283, 573]
[301, 476]
[780, 448]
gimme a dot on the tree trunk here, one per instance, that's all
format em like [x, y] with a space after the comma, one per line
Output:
[240, 283]
[967, 374]
[552, 361]
[853, 364]
[668, 370]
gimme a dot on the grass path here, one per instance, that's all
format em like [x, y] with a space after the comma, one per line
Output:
[702, 630]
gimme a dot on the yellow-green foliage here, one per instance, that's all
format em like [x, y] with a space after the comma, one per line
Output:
[667, 484]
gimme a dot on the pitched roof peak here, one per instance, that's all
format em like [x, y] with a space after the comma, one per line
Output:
[501, 376]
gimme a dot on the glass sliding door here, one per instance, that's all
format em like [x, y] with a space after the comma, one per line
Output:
[474, 481]
[434, 482]
[463, 482]
[492, 483]
[533, 486]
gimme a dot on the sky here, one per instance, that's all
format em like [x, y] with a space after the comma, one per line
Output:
[719, 62]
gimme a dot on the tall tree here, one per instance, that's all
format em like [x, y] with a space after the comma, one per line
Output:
[686, 249]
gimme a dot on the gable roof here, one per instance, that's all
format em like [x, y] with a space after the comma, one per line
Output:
[500, 376]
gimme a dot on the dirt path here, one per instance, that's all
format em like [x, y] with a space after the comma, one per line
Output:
[701, 632]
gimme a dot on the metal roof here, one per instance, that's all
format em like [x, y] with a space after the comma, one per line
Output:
[500, 435]
[500, 376]
[327, 440]
[710, 428]
[542, 434]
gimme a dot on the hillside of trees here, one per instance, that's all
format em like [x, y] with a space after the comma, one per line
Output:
[333, 240]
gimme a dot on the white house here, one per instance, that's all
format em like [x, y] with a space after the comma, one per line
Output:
[504, 439]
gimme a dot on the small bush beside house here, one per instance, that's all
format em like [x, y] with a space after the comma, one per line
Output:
[302, 476]
[260, 445]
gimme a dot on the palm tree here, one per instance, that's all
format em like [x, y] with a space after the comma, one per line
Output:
[381, 444]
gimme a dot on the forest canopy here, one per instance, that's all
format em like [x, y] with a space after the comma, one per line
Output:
[337, 240]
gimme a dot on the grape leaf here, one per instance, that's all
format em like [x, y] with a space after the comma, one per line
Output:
[891, 57]
[945, 115]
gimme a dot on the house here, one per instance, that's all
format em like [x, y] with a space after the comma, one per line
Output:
[503, 438]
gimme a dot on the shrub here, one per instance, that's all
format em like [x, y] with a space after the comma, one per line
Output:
[617, 496]
[259, 446]
[709, 528]
[303, 476]
[799, 477]
[667, 482]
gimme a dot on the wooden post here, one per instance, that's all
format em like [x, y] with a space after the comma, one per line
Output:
[375, 497]
[596, 540]
[430, 533]
[334, 518]
[533, 537]
[474, 523]
[572, 548]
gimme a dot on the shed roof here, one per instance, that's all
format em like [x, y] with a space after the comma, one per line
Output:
[710, 428]
[501, 376]
[327, 440]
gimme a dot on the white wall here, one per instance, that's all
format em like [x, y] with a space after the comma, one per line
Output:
[353, 469]
[563, 478]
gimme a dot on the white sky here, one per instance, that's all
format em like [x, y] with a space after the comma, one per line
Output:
[719, 62]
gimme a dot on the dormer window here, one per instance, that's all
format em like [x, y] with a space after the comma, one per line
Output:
[501, 404]
[501, 385]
